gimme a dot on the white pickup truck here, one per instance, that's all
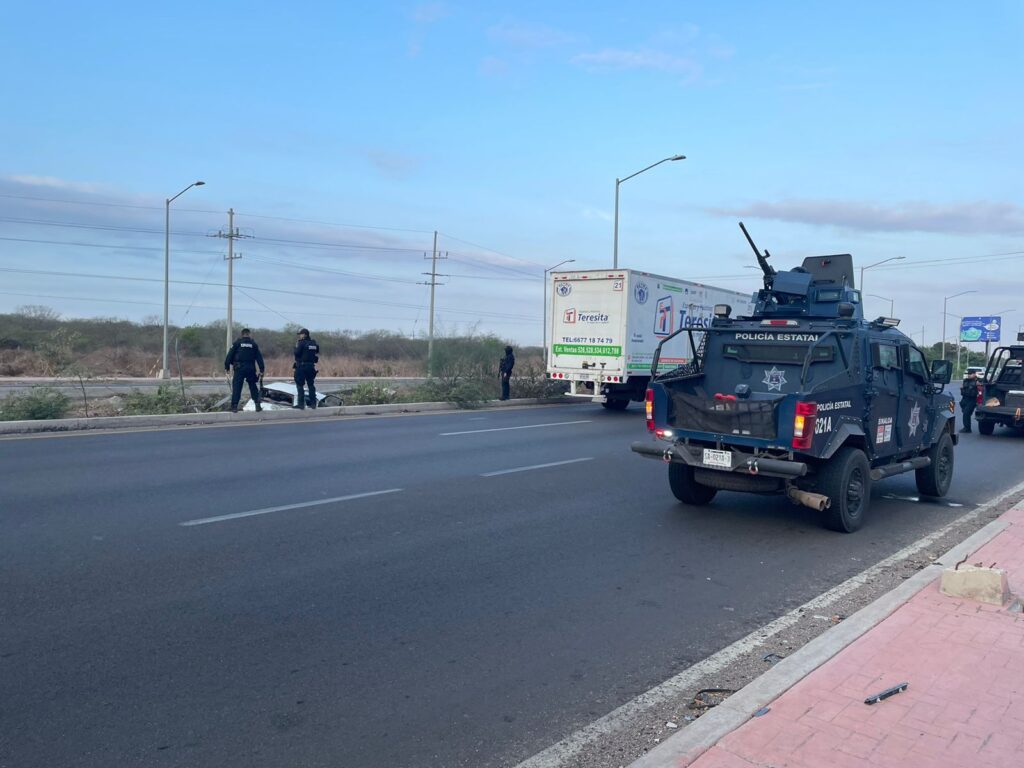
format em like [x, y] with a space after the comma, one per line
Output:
[606, 323]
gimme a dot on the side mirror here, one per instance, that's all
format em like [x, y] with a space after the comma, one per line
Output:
[942, 371]
[845, 309]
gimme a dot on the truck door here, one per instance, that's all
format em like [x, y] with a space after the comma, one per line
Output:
[916, 403]
[884, 407]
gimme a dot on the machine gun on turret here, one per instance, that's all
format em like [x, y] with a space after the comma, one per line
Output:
[768, 269]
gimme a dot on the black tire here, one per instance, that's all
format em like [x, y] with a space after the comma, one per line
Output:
[846, 480]
[686, 489]
[986, 426]
[616, 405]
[934, 479]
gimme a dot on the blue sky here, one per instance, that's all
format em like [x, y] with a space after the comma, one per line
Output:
[881, 130]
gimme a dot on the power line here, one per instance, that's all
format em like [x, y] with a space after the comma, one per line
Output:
[102, 245]
[304, 294]
[490, 250]
[328, 270]
[97, 299]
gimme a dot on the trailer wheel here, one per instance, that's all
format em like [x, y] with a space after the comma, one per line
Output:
[615, 405]
[986, 426]
[934, 479]
[686, 488]
[846, 480]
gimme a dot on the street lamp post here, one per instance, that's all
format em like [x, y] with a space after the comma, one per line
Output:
[545, 331]
[944, 300]
[165, 372]
[883, 298]
[877, 263]
[615, 247]
[959, 324]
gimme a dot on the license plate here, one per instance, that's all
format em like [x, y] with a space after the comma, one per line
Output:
[720, 459]
[584, 376]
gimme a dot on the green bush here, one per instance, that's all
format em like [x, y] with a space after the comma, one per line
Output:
[371, 393]
[531, 380]
[37, 403]
[464, 393]
[167, 399]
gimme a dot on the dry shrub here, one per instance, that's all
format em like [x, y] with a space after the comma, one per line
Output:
[121, 361]
[21, 362]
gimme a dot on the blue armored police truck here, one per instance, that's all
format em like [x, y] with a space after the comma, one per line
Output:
[803, 398]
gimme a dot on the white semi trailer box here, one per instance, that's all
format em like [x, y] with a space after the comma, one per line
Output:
[606, 324]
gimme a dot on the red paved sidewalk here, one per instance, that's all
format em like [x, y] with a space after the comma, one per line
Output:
[964, 706]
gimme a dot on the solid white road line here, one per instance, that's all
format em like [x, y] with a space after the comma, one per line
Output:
[564, 753]
[535, 466]
[506, 429]
[268, 510]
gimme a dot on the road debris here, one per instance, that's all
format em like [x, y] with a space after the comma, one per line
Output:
[710, 697]
[886, 693]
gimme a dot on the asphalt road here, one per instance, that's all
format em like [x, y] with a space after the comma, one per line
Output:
[464, 615]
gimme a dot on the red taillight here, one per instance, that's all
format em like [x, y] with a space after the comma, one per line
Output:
[649, 409]
[803, 425]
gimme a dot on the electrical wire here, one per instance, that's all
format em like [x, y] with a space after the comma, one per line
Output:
[99, 300]
[305, 294]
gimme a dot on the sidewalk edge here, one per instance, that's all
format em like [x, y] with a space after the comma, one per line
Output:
[704, 733]
[8, 428]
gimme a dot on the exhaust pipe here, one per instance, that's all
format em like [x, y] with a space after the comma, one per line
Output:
[813, 500]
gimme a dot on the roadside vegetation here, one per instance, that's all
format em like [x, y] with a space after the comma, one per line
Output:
[36, 342]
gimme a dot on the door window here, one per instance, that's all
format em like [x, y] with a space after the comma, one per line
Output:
[916, 364]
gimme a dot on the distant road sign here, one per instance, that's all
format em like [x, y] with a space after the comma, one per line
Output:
[980, 328]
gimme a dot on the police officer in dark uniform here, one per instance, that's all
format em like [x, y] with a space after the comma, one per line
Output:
[307, 355]
[508, 362]
[245, 356]
[969, 398]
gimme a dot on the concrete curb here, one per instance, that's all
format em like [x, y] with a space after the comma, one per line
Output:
[704, 733]
[225, 417]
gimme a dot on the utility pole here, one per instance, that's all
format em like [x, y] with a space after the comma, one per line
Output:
[433, 275]
[232, 234]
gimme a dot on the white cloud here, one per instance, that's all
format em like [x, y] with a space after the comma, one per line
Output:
[617, 59]
[428, 13]
[393, 164]
[595, 213]
[978, 217]
[492, 66]
[52, 182]
[527, 35]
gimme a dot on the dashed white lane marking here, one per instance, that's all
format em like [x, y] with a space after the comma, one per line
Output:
[506, 429]
[268, 510]
[535, 466]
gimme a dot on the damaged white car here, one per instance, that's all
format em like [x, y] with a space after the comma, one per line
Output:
[281, 395]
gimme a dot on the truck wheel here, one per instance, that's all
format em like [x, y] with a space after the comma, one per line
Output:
[986, 426]
[934, 479]
[846, 480]
[615, 405]
[685, 488]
